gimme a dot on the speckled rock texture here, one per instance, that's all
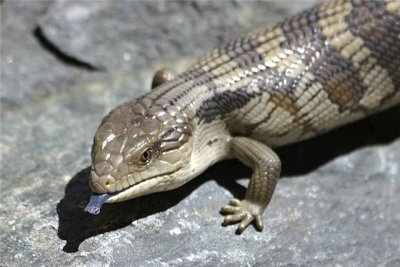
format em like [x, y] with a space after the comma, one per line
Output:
[65, 64]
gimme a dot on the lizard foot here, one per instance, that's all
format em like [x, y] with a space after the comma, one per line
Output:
[244, 212]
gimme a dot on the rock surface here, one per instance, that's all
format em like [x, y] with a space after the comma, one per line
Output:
[65, 64]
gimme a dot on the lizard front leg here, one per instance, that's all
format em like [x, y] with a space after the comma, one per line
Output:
[162, 76]
[266, 167]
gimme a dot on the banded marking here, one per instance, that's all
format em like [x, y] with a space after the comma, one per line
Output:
[270, 41]
[380, 67]
[294, 59]
[393, 6]
[372, 16]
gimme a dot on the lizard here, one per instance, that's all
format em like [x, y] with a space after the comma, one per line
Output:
[323, 68]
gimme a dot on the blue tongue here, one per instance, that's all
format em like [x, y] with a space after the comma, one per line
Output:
[95, 203]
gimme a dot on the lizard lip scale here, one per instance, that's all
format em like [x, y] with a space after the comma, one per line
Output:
[326, 67]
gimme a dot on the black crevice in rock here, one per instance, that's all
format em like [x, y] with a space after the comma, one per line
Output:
[60, 55]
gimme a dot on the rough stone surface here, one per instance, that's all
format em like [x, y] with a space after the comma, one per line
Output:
[30, 68]
[336, 204]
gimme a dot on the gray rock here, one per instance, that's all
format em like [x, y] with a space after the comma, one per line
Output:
[336, 204]
[30, 68]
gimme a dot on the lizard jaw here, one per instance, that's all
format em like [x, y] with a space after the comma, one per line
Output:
[143, 188]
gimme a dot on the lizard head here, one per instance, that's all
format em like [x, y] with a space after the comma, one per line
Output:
[141, 147]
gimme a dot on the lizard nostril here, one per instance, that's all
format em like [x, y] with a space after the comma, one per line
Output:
[106, 183]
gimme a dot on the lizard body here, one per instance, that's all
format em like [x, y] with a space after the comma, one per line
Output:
[323, 68]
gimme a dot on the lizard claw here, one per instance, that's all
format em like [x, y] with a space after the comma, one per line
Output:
[244, 212]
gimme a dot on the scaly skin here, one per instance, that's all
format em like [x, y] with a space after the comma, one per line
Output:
[326, 67]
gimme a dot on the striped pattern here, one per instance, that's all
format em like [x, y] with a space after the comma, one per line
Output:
[316, 71]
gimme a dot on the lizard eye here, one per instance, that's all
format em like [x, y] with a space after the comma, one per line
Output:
[146, 156]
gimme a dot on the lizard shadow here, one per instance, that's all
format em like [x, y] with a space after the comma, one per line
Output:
[75, 225]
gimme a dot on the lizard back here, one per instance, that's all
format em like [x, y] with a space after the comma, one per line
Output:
[316, 71]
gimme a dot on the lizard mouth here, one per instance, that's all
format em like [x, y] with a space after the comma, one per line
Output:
[142, 188]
